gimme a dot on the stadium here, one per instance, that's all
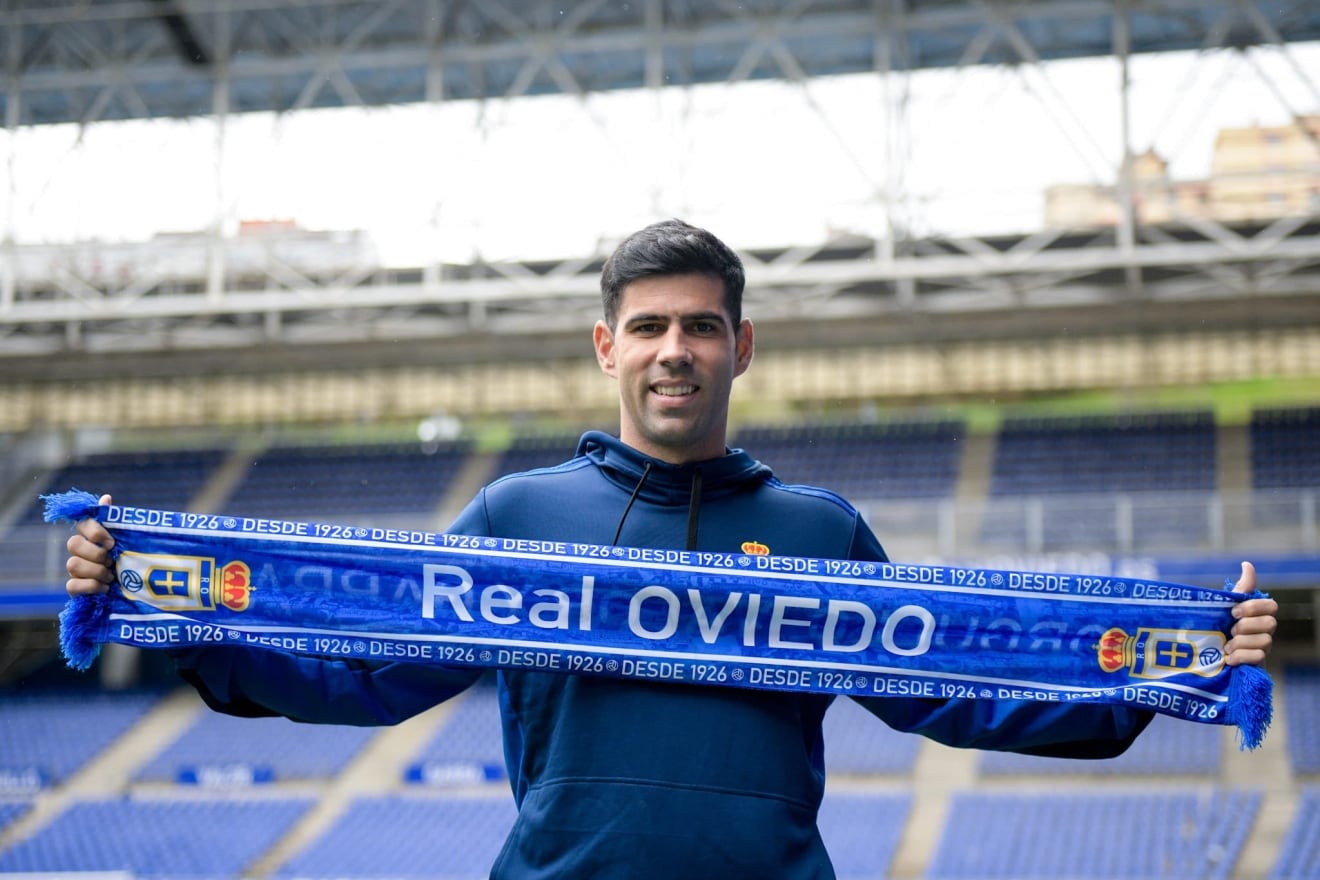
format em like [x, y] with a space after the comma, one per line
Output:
[1113, 370]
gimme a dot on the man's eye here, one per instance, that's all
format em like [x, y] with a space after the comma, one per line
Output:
[705, 327]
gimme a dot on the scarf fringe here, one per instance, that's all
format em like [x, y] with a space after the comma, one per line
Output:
[1250, 705]
[84, 618]
[82, 629]
[70, 506]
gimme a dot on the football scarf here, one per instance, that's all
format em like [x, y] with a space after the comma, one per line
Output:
[866, 629]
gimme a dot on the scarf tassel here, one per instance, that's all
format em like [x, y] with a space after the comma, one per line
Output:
[84, 618]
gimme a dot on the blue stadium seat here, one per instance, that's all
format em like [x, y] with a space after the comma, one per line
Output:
[1299, 857]
[169, 480]
[856, 742]
[1133, 834]
[28, 751]
[1170, 452]
[224, 750]
[536, 451]
[1284, 451]
[157, 837]
[468, 747]
[402, 836]
[1302, 683]
[357, 484]
[1167, 746]
[863, 461]
[862, 831]
[12, 811]
[1285, 462]
[1074, 467]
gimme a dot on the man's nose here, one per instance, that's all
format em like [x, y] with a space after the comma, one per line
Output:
[674, 348]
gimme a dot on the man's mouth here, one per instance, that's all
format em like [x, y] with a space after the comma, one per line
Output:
[674, 390]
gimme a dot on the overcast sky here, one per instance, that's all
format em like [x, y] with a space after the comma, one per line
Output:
[759, 163]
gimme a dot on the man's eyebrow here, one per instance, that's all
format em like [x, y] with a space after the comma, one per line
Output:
[649, 317]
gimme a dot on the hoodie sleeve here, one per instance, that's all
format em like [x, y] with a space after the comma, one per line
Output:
[252, 682]
[1077, 730]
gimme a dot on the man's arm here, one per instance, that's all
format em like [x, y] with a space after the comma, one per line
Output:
[1077, 730]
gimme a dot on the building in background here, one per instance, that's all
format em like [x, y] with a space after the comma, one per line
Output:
[1257, 173]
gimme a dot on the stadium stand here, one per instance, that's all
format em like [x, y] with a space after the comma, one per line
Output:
[31, 758]
[863, 461]
[1168, 747]
[357, 483]
[1110, 835]
[1171, 452]
[168, 479]
[223, 750]
[1284, 450]
[401, 836]
[11, 811]
[1299, 856]
[862, 831]
[533, 451]
[1302, 681]
[157, 837]
[856, 743]
[1285, 464]
[468, 745]
[1074, 467]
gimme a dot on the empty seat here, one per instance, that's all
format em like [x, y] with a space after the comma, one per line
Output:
[31, 757]
[468, 747]
[404, 836]
[1137, 833]
[157, 837]
[1299, 856]
[862, 831]
[1167, 746]
[224, 750]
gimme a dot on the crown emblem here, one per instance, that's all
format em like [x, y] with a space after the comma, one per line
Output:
[235, 586]
[1112, 650]
[755, 548]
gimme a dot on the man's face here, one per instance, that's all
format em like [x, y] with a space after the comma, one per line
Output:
[675, 353]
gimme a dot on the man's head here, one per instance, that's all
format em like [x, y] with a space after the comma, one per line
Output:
[671, 247]
[673, 340]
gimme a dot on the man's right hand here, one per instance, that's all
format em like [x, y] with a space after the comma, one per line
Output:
[89, 564]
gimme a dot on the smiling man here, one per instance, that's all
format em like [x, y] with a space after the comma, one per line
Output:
[675, 349]
[642, 779]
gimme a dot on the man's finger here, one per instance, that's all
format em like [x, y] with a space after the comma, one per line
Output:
[82, 547]
[1246, 582]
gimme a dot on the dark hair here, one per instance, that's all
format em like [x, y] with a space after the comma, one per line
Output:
[671, 247]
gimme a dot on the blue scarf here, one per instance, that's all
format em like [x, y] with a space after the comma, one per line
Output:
[866, 629]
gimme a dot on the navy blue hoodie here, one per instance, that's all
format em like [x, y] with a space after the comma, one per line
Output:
[635, 779]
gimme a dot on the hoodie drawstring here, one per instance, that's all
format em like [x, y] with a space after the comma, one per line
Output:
[694, 509]
[646, 472]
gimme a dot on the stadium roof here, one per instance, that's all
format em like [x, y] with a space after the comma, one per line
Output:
[96, 60]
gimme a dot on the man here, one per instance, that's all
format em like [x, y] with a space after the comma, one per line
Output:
[637, 779]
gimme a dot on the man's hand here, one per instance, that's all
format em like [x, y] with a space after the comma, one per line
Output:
[1253, 634]
[89, 563]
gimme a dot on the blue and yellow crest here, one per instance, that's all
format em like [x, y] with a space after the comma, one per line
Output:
[1161, 653]
[172, 582]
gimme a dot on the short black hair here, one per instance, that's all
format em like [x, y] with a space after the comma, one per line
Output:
[671, 247]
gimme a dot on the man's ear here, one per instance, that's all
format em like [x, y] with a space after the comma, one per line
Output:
[603, 338]
[743, 346]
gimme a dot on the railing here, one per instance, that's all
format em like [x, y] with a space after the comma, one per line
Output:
[1265, 521]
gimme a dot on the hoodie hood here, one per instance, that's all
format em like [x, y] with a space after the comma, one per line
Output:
[667, 483]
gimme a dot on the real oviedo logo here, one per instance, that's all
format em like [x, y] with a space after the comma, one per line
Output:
[1162, 653]
[184, 583]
